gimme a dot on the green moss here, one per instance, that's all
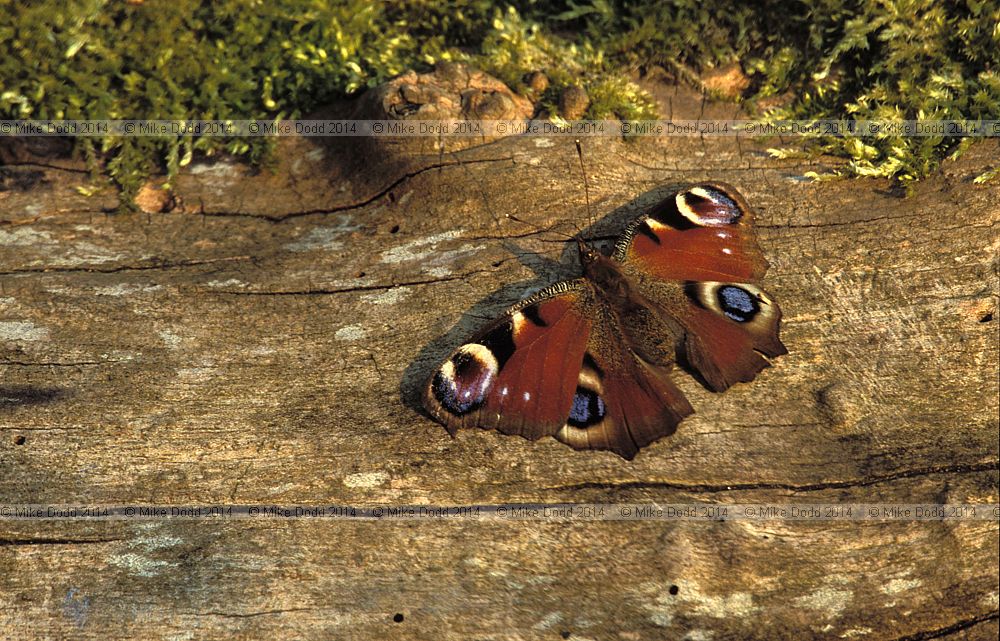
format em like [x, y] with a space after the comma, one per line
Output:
[836, 59]
[514, 46]
[865, 59]
[90, 59]
[87, 59]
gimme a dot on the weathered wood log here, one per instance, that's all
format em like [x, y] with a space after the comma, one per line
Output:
[264, 342]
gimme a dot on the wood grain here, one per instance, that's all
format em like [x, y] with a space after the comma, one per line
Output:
[265, 341]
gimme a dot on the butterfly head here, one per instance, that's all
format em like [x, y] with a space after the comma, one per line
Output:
[588, 255]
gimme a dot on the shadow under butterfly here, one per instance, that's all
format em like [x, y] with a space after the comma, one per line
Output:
[588, 360]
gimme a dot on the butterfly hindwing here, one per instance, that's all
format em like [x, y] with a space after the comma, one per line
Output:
[733, 326]
[622, 403]
[555, 366]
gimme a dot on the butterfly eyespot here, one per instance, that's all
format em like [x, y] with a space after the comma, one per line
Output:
[588, 408]
[462, 383]
[737, 303]
[708, 207]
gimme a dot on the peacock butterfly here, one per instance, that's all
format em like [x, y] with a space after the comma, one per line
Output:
[588, 360]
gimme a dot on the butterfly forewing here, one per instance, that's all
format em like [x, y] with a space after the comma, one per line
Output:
[518, 375]
[702, 233]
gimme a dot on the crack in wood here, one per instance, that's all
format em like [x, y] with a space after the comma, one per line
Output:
[250, 615]
[278, 218]
[958, 626]
[709, 488]
[58, 364]
[846, 223]
[126, 268]
[54, 541]
[348, 290]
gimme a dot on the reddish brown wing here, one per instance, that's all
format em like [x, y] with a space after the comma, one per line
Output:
[622, 403]
[696, 257]
[519, 374]
[556, 365]
[702, 233]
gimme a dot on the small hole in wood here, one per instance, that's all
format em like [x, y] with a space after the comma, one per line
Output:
[565, 634]
[398, 617]
[19, 439]
[394, 229]
[674, 589]
[987, 317]
[360, 275]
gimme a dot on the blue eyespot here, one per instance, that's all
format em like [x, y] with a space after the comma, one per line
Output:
[588, 408]
[737, 303]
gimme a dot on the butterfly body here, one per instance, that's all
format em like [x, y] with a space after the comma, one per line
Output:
[588, 360]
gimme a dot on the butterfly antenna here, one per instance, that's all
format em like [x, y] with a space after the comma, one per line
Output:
[586, 184]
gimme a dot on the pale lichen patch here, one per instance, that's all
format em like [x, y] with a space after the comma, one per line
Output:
[855, 632]
[154, 540]
[547, 621]
[138, 565]
[432, 260]
[216, 169]
[169, 338]
[438, 272]
[323, 238]
[388, 297]
[284, 487]
[125, 289]
[231, 282]
[418, 249]
[895, 586]
[85, 253]
[828, 600]
[22, 331]
[737, 604]
[366, 479]
[685, 597]
[25, 237]
[350, 333]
